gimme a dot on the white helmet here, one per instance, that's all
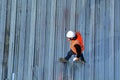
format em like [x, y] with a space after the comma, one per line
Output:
[70, 34]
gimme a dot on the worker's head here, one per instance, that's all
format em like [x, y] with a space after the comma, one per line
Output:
[70, 35]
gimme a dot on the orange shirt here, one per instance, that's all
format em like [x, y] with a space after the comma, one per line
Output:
[78, 41]
[72, 45]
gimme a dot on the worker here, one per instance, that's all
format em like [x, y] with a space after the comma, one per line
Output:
[76, 47]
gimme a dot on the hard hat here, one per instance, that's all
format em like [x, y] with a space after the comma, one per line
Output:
[70, 34]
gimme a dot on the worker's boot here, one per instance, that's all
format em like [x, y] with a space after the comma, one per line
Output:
[63, 60]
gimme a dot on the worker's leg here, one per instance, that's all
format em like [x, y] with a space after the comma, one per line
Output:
[82, 57]
[69, 54]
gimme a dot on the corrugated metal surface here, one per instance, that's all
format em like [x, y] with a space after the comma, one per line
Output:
[33, 37]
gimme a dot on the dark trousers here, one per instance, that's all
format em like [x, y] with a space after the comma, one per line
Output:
[70, 53]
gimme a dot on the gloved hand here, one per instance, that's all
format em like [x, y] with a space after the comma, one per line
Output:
[75, 59]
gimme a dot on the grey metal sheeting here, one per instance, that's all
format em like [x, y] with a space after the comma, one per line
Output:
[33, 38]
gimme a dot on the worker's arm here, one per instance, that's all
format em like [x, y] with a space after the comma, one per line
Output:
[78, 50]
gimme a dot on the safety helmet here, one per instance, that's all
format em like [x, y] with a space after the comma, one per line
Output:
[70, 34]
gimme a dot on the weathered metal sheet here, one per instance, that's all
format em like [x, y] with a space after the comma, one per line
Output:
[117, 40]
[22, 41]
[12, 37]
[2, 33]
[38, 38]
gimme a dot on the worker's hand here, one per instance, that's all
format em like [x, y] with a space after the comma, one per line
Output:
[75, 59]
